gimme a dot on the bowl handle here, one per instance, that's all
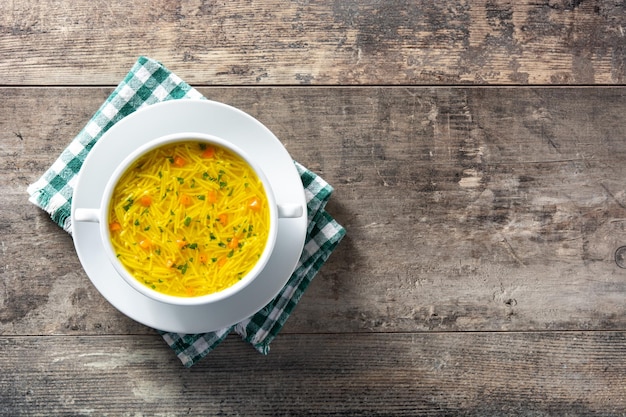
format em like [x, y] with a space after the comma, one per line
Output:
[87, 215]
[288, 211]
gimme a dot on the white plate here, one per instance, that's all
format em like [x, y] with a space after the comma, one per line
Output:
[201, 116]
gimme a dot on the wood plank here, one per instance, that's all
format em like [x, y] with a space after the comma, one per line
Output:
[476, 209]
[466, 209]
[473, 374]
[90, 42]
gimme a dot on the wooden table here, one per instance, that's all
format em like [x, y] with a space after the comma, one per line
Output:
[477, 152]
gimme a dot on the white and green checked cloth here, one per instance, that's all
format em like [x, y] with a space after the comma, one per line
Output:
[150, 82]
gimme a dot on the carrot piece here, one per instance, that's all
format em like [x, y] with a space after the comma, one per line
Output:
[115, 227]
[185, 200]
[203, 258]
[145, 200]
[181, 243]
[209, 152]
[221, 262]
[234, 243]
[222, 219]
[145, 243]
[179, 162]
[211, 196]
[255, 204]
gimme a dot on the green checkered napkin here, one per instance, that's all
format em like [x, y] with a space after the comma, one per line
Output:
[150, 82]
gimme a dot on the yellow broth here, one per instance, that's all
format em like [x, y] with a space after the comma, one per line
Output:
[189, 219]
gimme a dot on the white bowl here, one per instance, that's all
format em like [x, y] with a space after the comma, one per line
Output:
[100, 215]
[171, 118]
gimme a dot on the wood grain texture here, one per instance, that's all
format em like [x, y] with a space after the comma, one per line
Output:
[483, 206]
[86, 42]
[466, 209]
[439, 374]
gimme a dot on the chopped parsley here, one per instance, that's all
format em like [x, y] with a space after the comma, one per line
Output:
[129, 203]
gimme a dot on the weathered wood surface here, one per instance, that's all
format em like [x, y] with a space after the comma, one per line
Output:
[466, 209]
[479, 273]
[478, 276]
[436, 374]
[316, 42]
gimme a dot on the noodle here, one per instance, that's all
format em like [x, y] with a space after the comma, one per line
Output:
[189, 219]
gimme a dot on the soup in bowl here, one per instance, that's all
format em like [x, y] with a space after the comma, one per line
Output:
[188, 219]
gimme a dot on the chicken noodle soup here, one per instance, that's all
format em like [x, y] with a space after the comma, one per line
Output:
[189, 219]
